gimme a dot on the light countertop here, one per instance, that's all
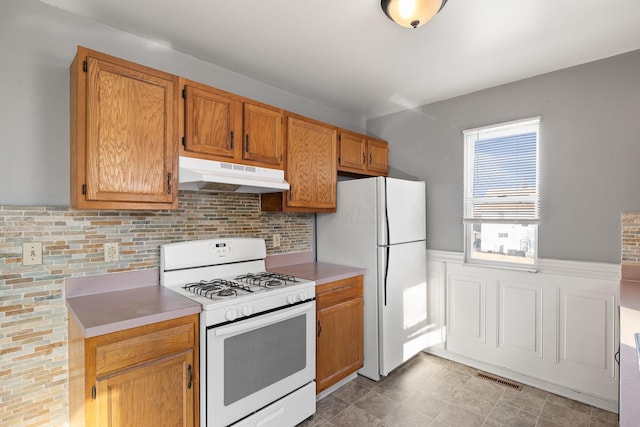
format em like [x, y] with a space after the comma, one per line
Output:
[119, 301]
[320, 272]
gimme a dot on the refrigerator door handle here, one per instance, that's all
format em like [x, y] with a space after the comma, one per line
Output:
[386, 275]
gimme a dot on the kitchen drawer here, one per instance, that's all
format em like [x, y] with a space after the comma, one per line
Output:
[336, 292]
[120, 350]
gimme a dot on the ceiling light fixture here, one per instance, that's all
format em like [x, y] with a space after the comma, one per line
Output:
[412, 13]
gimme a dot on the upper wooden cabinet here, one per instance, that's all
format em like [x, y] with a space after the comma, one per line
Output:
[352, 152]
[222, 126]
[310, 168]
[263, 141]
[124, 134]
[210, 125]
[377, 156]
[361, 154]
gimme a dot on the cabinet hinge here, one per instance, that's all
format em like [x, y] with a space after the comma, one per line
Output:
[84, 188]
[85, 66]
[184, 93]
[93, 393]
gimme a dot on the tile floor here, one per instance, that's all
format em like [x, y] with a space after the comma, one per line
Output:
[431, 391]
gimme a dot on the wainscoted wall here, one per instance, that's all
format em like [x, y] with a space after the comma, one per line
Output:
[631, 238]
[33, 317]
[556, 329]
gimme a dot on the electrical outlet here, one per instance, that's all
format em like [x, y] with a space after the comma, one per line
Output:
[32, 253]
[276, 240]
[111, 253]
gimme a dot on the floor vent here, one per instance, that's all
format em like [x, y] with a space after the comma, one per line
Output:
[499, 380]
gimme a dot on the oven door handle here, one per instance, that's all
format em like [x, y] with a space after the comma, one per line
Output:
[258, 322]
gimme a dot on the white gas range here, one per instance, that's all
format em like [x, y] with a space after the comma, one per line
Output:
[257, 332]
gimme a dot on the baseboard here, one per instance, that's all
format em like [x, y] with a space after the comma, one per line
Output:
[589, 399]
[324, 393]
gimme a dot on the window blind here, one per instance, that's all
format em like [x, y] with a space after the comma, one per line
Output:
[501, 173]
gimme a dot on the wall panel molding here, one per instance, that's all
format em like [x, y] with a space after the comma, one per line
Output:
[584, 319]
[520, 318]
[556, 327]
[467, 307]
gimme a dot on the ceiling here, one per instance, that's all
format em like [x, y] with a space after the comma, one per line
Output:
[348, 55]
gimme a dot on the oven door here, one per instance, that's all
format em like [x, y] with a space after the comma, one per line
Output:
[255, 362]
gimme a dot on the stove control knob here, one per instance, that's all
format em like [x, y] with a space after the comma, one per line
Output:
[231, 314]
[247, 310]
[291, 298]
[302, 295]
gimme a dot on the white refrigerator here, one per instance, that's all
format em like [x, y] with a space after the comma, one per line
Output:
[380, 225]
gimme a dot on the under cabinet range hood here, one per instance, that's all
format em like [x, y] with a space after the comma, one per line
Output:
[213, 176]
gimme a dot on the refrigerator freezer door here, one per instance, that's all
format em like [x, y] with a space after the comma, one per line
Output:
[402, 209]
[402, 274]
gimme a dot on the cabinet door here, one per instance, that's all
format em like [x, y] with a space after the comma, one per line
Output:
[209, 123]
[262, 135]
[155, 394]
[311, 164]
[351, 152]
[378, 156]
[339, 342]
[131, 136]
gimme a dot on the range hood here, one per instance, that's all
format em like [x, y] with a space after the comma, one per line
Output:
[213, 176]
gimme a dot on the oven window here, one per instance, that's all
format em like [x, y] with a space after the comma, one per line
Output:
[261, 357]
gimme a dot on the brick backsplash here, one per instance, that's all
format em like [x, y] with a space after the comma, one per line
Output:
[631, 238]
[33, 316]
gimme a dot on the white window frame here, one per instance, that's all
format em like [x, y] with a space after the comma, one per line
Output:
[471, 136]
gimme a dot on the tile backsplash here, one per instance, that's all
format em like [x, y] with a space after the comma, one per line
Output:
[33, 316]
[631, 238]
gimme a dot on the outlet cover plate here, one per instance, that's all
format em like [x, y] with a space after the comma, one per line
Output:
[111, 252]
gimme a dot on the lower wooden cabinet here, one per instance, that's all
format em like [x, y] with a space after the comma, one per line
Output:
[145, 376]
[340, 325]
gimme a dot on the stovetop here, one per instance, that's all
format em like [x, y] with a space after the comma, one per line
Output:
[241, 285]
[229, 279]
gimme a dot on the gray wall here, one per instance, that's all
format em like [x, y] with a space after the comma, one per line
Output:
[589, 152]
[37, 44]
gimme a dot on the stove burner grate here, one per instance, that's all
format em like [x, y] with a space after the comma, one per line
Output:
[216, 287]
[227, 293]
[274, 283]
[267, 279]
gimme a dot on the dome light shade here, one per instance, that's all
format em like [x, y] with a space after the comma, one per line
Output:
[412, 13]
